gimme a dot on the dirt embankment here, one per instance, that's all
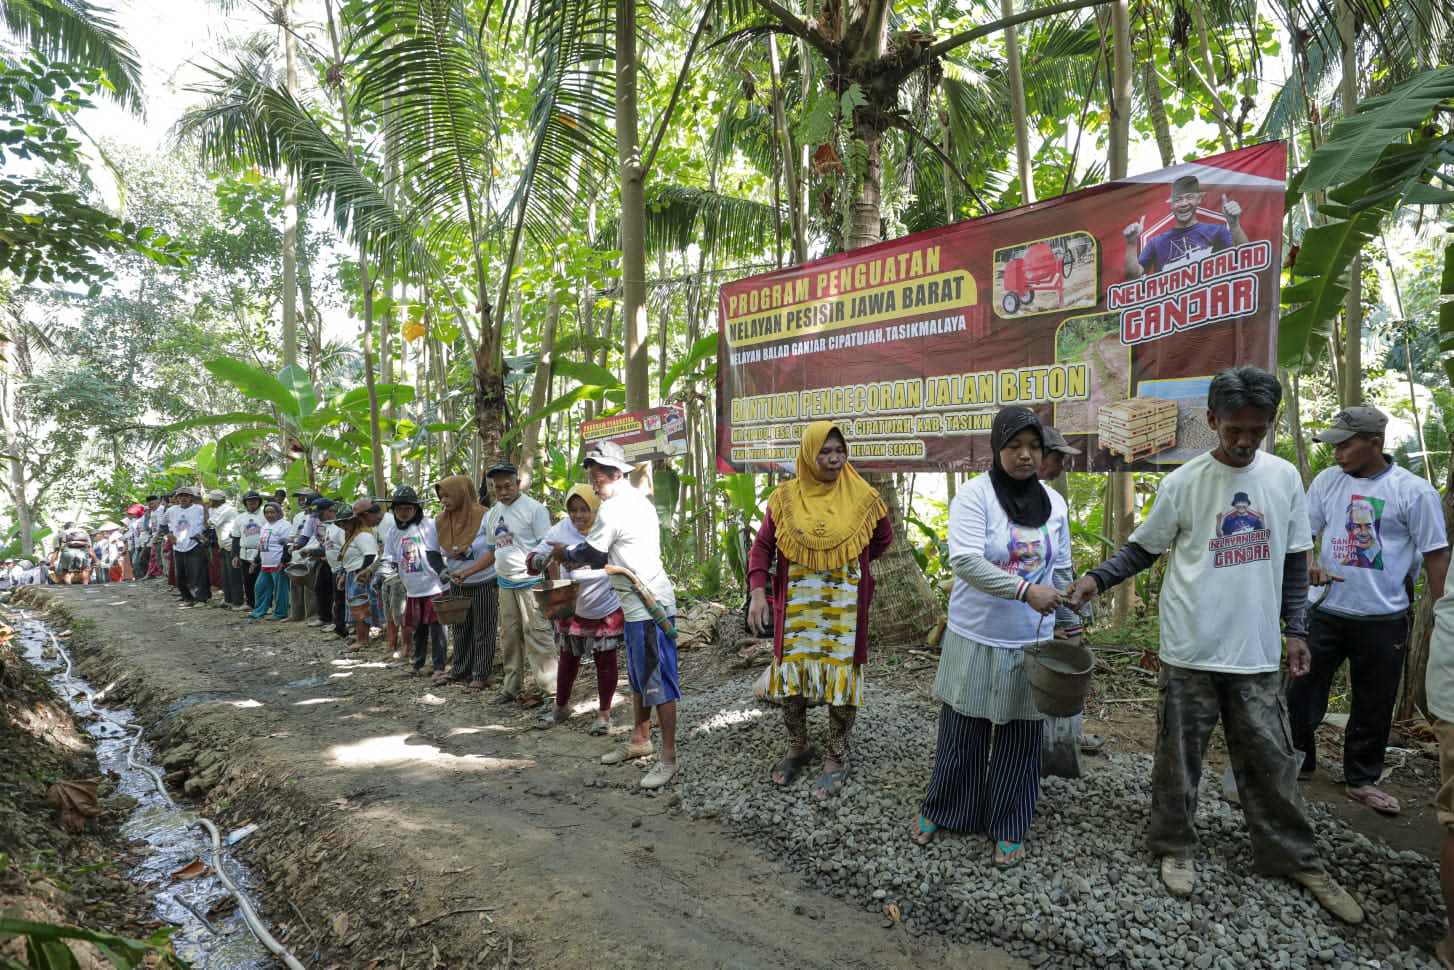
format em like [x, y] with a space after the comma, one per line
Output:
[49, 874]
[404, 825]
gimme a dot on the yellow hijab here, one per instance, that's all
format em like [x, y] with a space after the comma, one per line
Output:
[586, 494]
[823, 525]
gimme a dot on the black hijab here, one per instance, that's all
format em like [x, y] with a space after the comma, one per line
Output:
[1025, 502]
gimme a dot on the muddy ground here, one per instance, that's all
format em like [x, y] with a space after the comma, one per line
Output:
[404, 832]
[49, 874]
[400, 832]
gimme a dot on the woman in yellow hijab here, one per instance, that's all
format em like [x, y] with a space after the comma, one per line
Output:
[824, 527]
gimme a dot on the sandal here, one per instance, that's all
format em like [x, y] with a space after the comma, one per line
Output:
[551, 717]
[1375, 798]
[1008, 855]
[830, 783]
[440, 677]
[477, 685]
[600, 729]
[789, 767]
[926, 832]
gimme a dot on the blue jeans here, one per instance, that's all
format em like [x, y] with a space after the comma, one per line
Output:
[267, 585]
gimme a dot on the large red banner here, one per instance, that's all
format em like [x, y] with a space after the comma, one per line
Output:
[1107, 310]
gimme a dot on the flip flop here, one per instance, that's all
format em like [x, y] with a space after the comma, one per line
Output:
[926, 831]
[1375, 798]
[791, 766]
[1008, 855]
[830, 783]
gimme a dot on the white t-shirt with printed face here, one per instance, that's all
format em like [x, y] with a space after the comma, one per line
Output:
[248, 527]
[274, 538]
[978, 525]
[628, 531]
[187, 527]
[479, 545]
[221, 519]
[330, 537]
[1226, 532]
[513, 530]
[1375, 531]
[408, 549]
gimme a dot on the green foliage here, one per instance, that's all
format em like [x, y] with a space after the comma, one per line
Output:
[48, 231]
[46, 947]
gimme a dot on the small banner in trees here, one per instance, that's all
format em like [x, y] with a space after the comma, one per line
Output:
[1107, 310]
[643, 435]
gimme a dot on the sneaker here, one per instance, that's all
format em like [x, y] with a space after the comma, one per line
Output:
[659, 776]
[1180, 875]
[629, 752]
[314, 621]
[1331, 896]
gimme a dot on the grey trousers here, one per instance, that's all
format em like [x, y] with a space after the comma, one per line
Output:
[1253, 712]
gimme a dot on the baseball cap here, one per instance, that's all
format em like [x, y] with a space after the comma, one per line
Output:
[217, 495]
[502, 468]
[607, 454]
[1055, 441]
[364, 505]
[1351, 421]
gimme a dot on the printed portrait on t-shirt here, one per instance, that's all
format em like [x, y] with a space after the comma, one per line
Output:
[411, 555]
[1029, 550]
[1242, 518]
[504, 538]
[1363, 545]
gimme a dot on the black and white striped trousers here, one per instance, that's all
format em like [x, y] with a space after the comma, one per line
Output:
[986, 776]
[474, 639]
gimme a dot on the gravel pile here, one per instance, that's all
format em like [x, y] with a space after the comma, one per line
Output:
[1088, 894]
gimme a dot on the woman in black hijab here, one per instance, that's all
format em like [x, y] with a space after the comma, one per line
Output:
[1009, 547]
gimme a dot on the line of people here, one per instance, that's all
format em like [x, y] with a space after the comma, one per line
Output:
[1236, 531]
[352, 569]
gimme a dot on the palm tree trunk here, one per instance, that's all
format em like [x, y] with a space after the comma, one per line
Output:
[1204, 55]
[633, 210]
[1353, 303]
[366, 281]
[540, 390]
[1122, 484]
[1017, 107]
[290, 215]
[788, 164]
[1156, 107]
[24, 517]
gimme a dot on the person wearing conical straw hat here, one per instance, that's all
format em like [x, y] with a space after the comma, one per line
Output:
[823, 528]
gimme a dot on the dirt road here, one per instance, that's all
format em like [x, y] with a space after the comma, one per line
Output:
[399, 832]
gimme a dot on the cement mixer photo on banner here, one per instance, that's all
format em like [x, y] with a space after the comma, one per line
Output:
[1107, 310]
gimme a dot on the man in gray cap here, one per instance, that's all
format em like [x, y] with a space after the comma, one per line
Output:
[1379, 524]
[1187, 239]
[515, 524]
[627, 534]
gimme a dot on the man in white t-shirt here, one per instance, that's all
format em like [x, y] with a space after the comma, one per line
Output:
[627, 535]
[514, 525]
[301, 600]
[221, 516]
[188, 523]
[1233, 524]
[1378, 523]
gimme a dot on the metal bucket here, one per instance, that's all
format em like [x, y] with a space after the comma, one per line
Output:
[1060, 676]
[556, 598]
